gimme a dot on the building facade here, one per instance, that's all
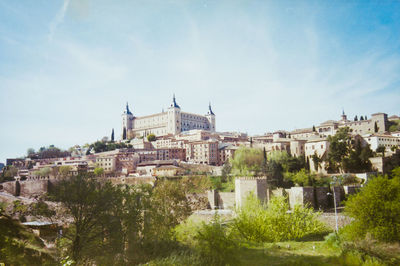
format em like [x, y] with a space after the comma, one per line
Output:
[173, 122]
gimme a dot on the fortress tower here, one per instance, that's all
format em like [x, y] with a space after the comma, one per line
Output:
[173, 121]
[127, 122]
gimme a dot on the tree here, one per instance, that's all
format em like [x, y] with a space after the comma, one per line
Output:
[30, 152]
[361, 118]
[358, 158]
[381, 149]
[313, 128]
[265, 163]
[338, 149]
[124, 133]
[151, 137]
[356, 118]
[247, 161]
[89, 203]
[376, 210]
[98, 171]
[317, 161]
[376, 128]
[112, 135]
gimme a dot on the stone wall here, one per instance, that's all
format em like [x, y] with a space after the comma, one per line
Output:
[226, 200]
[302, 196]
[221, 200]
[34, 188]
[10, 187]
[245, 185]
[321, 197]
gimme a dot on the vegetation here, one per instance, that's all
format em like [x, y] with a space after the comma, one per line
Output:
[259, 222]
[376, 210]
[19, 246]
[119, 225]
[347, 154]
[47, 152]
[394, 126]
[8, 173]
[151, 137]
[247, 162]
[102, 146]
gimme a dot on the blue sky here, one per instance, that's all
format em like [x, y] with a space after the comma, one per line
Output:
[67, 68]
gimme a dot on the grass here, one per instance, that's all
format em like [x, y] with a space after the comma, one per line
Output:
[289, 253]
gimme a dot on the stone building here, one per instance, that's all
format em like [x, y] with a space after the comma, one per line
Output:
[173, 121]
[202, 152]
[320, 147]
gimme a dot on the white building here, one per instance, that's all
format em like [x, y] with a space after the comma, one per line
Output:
[320, 148]
[387, 141]
[173, 121]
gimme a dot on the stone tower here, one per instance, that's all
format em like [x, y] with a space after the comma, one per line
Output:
[174, 118]
[211, 118]
[344, 116]
[127, 122]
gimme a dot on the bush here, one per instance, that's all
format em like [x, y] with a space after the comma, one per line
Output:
[376, 210]
[215, 244]
[211, 244]
[273, 223]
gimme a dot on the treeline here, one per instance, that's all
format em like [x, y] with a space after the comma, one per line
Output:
[119, 225]
[102, 146]
[47, 152]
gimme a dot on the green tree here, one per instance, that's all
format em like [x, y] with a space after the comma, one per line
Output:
[124, 133]
[98, 171]
[89, 203]
[301, 178]
[338, 149]
[313, 128]
[381, 149]
[316, 160]
[358, 158]
[151, 137]
[8, 174]
[30, 152]
[376, 128]
[112, 135]
[376, 210]
[64, 170]
[247, 161]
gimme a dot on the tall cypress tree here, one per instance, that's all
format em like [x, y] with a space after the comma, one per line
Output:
[264, 166]
[112, 135]
[124, 133]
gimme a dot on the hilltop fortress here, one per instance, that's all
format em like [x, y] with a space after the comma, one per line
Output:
[173, 121]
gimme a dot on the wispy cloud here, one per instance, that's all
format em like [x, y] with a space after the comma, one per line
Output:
[58, 19]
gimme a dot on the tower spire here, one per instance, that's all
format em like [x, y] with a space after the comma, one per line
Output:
[174, 104]
[127, 109]
[209, 109]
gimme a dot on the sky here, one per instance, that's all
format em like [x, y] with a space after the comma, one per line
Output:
[68, 67]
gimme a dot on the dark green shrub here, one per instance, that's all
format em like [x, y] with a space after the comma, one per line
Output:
[376, 210]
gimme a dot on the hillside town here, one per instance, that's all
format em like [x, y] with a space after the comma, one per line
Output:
[171, 142]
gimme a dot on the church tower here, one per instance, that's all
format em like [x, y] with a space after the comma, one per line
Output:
[174, 118]
[344, 116]
[211, 118]
[127, 122]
